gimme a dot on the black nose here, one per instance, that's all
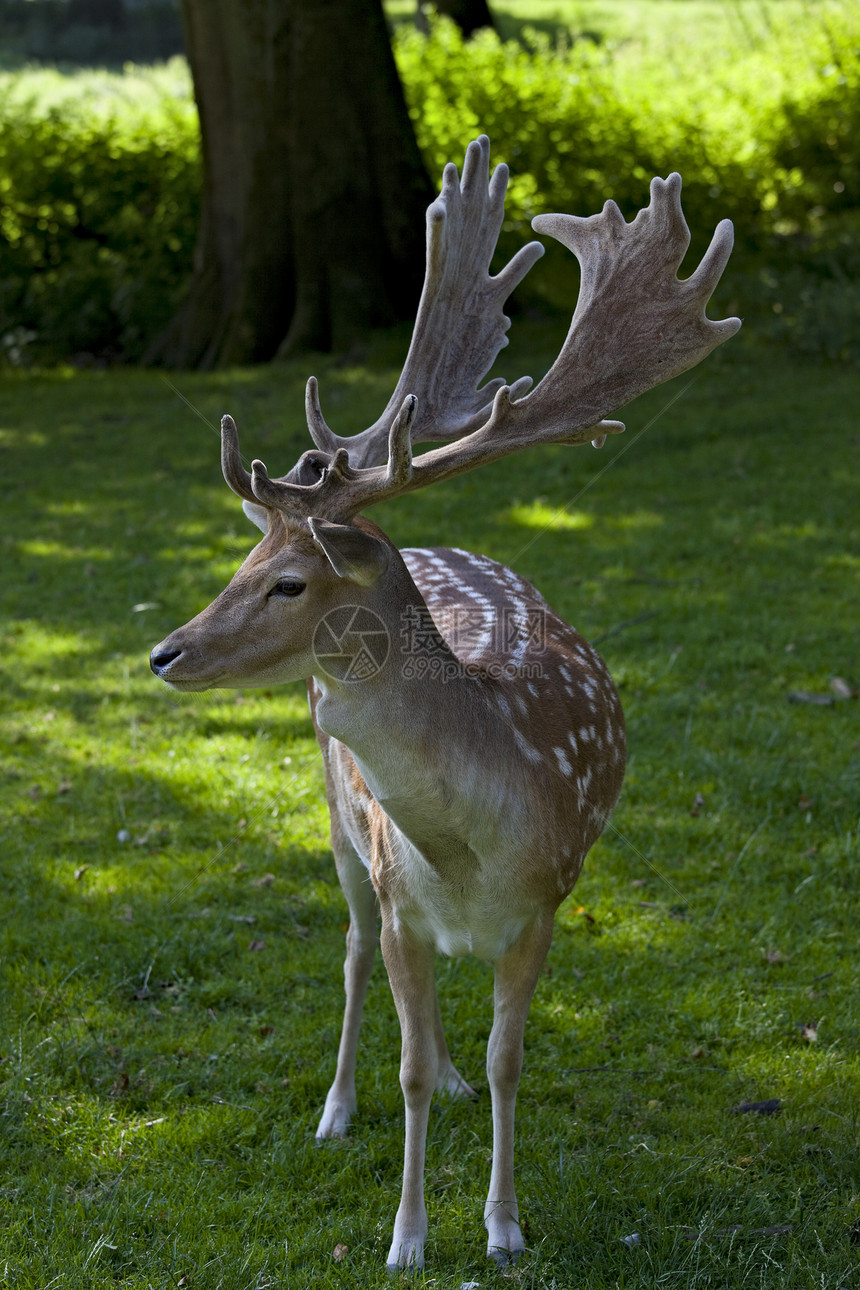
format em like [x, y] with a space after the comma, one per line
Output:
[160, 661]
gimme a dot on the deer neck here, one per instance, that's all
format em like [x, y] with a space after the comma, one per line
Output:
[417, 727]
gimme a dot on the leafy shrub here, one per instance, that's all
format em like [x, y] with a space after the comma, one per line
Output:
[99, 205]
[768, 135]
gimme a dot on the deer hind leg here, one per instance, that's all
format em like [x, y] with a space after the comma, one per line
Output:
[361, 941]
[411, 973]
[516, 975]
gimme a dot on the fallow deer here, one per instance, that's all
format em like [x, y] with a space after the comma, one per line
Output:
[464, 792]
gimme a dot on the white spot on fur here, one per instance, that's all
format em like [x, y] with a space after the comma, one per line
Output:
[526, 748]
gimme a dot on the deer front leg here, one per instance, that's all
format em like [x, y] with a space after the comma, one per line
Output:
[411, 973]
[516, 975]
[361, 940]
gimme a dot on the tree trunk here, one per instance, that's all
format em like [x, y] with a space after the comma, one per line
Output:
[312, 226]
[469, 15]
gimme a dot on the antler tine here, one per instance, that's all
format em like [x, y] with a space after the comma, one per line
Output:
[323, 436]
[231, 461]
[460, 327]
[399, 469]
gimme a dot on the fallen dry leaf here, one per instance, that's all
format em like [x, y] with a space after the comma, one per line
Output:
[79, 873]
[339, 1253]
[809, 1033]
[257, 945]
[841, 688]
[266, 880]
[774, 956]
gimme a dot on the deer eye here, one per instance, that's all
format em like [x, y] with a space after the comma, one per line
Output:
[287, 587]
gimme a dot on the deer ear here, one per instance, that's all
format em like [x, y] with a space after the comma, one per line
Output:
[352, 553]
[257, 515]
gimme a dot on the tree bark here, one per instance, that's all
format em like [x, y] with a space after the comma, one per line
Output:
[312, 225]
[469, 15]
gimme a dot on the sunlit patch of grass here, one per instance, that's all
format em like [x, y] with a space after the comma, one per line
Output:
[539, 516]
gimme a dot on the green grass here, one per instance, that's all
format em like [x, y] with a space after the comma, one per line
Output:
[171, 1002]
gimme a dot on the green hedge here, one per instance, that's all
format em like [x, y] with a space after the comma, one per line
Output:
[99, 192]
[99, 203]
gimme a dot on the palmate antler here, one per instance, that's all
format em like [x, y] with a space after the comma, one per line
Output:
[636, 325]
[460, 326]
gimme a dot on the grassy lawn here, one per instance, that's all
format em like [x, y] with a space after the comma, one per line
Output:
[172, 929]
